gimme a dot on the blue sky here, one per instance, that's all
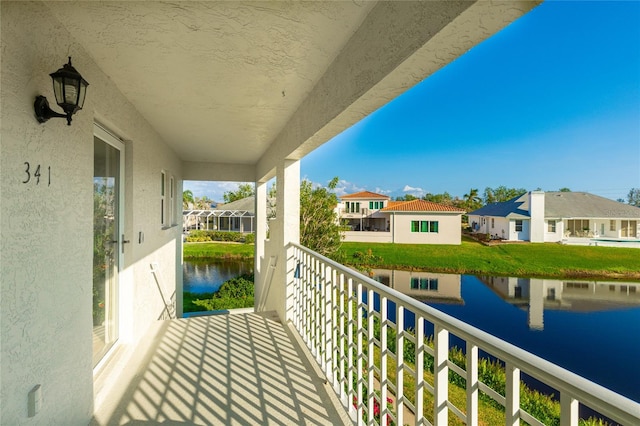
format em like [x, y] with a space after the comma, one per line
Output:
[551, 101]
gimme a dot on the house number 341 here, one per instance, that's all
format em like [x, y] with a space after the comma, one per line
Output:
[35, 173]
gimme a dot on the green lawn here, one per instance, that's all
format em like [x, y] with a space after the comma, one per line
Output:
[526, 260]
[218, 250]
[471, 257]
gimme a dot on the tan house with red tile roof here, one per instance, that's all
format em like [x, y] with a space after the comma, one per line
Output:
[375, 218]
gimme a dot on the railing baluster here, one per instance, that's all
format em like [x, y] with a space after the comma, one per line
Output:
[322, 316]
[384, 380]
[370, 352]
[400, 364]
[472, 384]
[568, 410]
[335, 320]
[441, 375]
[328, 320]
[512, 395]
[343, 338]
[350, 364]
[360, 332]
[419, 370]
[307, 294]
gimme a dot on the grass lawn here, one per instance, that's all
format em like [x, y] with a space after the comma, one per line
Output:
[471, 257]
[525, 260]
[218, 250]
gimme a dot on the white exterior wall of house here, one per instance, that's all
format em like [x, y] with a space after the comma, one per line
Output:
[367, 237]
[554, 237]
[499, 227]
[536, 209]
[449, 229]
[47, 230]
[519, 235]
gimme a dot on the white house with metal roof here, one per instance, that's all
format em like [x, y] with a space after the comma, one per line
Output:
[375, 218]
[539, 216]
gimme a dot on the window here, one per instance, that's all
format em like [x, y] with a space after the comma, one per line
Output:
[415, 283]
[371, 205]
[163, 203]
[424, 226]
[172, 203]
[424, 283]
[493, 222]
[612, 225]
[376, 205]
[551, 294]
[551, 226]
[519, 225]
[353, 207]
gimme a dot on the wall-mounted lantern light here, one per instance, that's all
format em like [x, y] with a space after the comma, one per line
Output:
[70, 89]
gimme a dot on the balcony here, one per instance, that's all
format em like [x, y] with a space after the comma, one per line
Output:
[333, 361]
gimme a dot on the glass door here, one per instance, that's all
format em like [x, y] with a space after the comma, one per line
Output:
[107, 242]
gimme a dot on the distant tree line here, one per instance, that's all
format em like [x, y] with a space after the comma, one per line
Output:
[472, 199]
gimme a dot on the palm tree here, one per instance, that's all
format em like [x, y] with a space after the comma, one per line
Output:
[472, 200]
[187, 199]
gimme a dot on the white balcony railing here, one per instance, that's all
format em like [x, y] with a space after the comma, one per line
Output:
[345, 318]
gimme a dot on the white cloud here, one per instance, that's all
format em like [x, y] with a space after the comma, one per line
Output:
[382, 191]
[213, 190]
[408, 188]
[415, 191]
[345, 187]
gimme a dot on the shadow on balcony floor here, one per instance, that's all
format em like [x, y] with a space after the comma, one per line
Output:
[224, 370]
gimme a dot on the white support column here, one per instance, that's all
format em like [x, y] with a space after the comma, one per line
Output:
[259, 263]
[288, 210]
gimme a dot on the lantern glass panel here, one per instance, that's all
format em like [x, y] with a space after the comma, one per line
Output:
[83, 93]
[71, 91]
[57, 89]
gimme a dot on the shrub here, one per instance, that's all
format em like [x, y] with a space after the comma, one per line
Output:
[235, 293]
[202, 236]
[250, 238]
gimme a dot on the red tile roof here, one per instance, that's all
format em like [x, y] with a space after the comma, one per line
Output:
[419, 206]
[364, 195]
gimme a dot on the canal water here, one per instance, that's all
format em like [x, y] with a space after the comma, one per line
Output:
[207, 276]
[589, 327]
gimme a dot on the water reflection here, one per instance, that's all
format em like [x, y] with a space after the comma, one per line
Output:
[538, 295]
[207, 276]
[424, 286]
[584, 326]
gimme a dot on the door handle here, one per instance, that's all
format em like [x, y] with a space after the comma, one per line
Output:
[124, 242]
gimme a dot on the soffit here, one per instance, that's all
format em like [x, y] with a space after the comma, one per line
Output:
[217, 80]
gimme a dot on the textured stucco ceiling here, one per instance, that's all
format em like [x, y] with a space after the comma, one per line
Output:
[217, 80]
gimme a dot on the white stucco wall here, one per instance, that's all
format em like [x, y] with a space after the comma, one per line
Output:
[367, 237]
[553, 237]
[449, 228]
[47, 231]
[519, 235]
[536, 210]
[499, 227]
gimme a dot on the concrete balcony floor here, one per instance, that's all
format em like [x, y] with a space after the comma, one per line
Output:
[236, 369]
